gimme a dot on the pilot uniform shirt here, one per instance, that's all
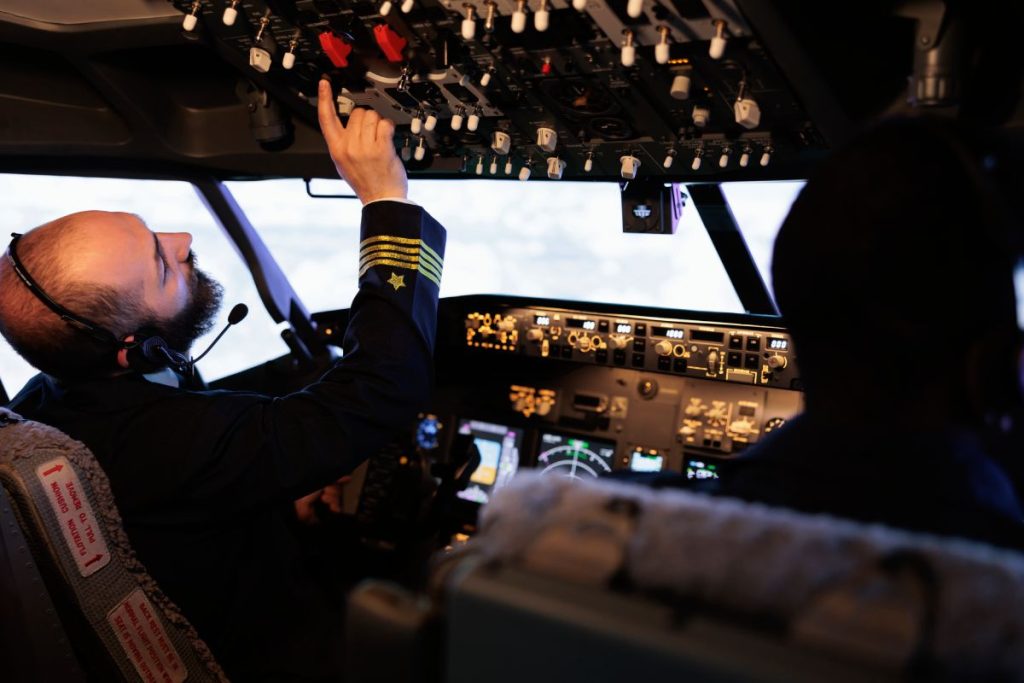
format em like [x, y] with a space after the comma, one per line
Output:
[205, 480]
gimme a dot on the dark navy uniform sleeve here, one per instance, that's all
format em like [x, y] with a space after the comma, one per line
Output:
[237, 450]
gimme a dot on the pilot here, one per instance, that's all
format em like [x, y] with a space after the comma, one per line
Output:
[894, 273]
[205, 479]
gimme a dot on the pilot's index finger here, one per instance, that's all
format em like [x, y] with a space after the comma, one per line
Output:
[330, 124]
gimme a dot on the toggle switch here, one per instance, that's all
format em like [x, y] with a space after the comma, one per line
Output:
[430, 123]
[680, 88]
[670, 157]
[661, 50]
[579, 5]
[480, 165]
[230, 15]
[485, 80]
[698, 156]
[701, 116]
[588, 164]
[385, 8]
[766, 157]
[501, 142]
[630, 166]
[416, 125]
[723, 160]
[745, 157]
[473, 122]
[421, 150]
[508, 166]
[407, 6]
[494, 166]
[547, 139]
[628, 55]
[469, 23]
[192, 18]
[718, 41]
[519, 17]
[634, 8]
[458, 117]
[492, 8]
[288, 60]
[406, 152]
[555, 168]
[524, 172]
[542, 17]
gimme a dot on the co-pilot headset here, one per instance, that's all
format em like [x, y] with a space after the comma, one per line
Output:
[140, 352]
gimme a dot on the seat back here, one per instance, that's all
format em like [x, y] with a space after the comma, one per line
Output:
[71, 575]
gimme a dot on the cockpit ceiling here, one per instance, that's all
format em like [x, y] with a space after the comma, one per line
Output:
[118, 86]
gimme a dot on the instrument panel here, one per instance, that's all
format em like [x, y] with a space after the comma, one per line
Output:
[602, 89]
[542, 385]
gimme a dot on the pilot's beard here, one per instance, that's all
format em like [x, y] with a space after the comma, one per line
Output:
[196, 319]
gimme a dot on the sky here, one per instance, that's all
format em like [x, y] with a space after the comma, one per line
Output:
[543, 239]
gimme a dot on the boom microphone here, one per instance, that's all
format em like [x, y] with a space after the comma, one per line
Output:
[236, 316]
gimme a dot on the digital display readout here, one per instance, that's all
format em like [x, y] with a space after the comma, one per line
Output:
[581, 324]
[623, 328]
[708, 336]
[776, 344]
[543, 320]
[670, 332]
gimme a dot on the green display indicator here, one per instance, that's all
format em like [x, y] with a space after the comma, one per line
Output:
[578, 443]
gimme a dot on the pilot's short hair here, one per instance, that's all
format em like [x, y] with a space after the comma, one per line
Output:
[36, 333]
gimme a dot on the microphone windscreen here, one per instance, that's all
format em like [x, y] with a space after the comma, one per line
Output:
[238, 314]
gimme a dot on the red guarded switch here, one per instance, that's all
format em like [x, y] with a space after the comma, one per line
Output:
[391, 44]
[336, 49]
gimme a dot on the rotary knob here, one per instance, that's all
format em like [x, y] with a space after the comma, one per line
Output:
[618, 341]
[534, 334]
[584, 344]
[777, 362]
[663, 348]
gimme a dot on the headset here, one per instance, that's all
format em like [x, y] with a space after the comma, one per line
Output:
[140, 352]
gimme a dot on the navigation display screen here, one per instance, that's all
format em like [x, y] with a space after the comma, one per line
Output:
[499, 448]
[644, 460]
[574, 457]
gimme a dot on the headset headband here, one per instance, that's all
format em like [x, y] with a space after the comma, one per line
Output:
[95, 331]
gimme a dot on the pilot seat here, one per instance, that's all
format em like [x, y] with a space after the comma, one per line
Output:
[77, 605]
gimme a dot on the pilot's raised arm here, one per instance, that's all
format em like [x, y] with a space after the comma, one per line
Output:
[205, 480]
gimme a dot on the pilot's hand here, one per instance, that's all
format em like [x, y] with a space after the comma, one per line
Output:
[330, 496]
[363, 151]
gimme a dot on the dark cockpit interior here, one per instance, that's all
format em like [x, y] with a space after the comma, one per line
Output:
[671, 109]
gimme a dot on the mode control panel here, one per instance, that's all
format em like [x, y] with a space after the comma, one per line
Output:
[730, 352]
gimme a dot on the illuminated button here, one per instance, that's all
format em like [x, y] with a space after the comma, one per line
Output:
[641, 329]
[752, 361]
[665, 363]
[638, 360]
[753, 343]
[602, 325]
[734, 359]
[639, 344]
[736, 343]
[679, 365]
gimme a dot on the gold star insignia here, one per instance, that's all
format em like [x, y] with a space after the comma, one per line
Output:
[397, 281]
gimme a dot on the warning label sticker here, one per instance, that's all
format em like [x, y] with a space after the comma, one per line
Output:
[75, 516]
[144, 640]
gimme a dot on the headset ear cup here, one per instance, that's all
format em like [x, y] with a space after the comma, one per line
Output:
[145, 354]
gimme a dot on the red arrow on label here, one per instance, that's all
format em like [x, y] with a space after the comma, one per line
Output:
[53, 470]
[94, 560]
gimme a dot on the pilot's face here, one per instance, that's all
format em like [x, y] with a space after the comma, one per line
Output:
[120, 251]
